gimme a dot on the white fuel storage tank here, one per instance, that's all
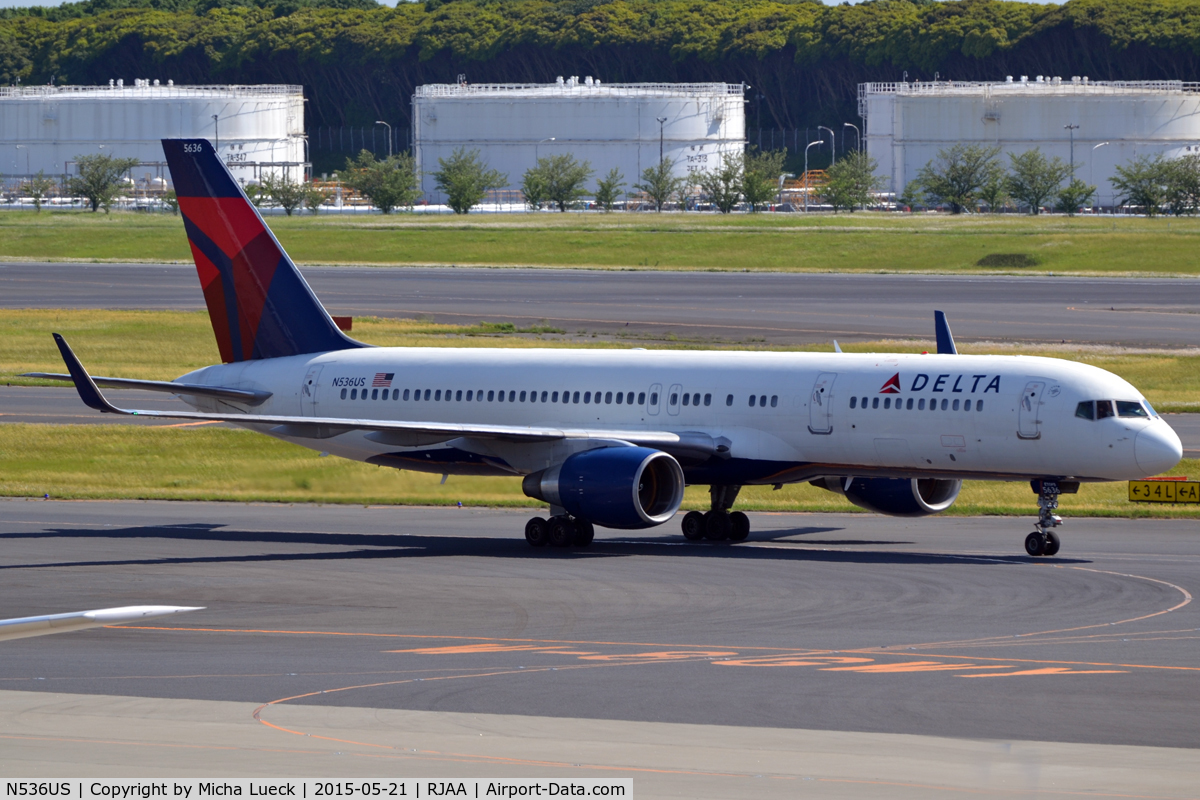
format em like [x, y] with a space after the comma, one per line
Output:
[258, 129]
[622, 125]
[1098, 124]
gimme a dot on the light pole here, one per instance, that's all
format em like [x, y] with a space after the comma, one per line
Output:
[389, 127]
[216, 135]
[1071, 129]
[857, 133]
[810, 144]
[661, 121]
[1091, 165]
[832, 144]
[535, 149]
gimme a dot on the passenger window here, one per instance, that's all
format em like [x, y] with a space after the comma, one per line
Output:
[374, 394]
[426, 394]
[921, 404]
[500, 396]
[955, 404]
[708, 399]
[979, 405]
[653, 398]
[575, 398]
[696, 399]
[944, 403]
[874, 402]
[544, 396]
[967, 405]
[762, 400]
[908, 405]
[554, 398]
[354, 394]
[619, 397]
[437, 395]
[728, 399]
[491, 395]
[449, 395]
[853, 402]
[774, 400]
[887, 402]
[512, 396]
[1125, 408]
[344, 394]
[607, 397]
[470, 394]
[686, 398]
[753, 400]
[587, 397]
[406, 394]
[522, 398]
[674, 399]
[1104, 409]
[458, 396]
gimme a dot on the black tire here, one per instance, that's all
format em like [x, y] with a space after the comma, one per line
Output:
[1053, 542]
[562, 531]
[693, 526]
[1035, 544]
[717, 526]
[739, 525]
[537, 532]
[584, 533]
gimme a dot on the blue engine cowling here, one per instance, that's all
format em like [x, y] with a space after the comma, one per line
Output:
[616, 487]
[896, 497]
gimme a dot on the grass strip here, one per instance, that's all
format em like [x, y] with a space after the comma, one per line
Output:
[75, 462]
[862, 242]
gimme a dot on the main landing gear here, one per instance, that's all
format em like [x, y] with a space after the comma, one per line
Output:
[561, 530]
[718, 524]
[1043, 541]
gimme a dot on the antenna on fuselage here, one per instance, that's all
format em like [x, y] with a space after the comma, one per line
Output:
[945, 340]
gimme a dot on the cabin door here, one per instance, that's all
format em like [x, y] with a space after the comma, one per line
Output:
[308, 392]
[1029, 423]
[820, 404]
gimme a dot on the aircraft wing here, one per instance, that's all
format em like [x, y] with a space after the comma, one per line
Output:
[248, 397]
[23, 627]
[400, 433]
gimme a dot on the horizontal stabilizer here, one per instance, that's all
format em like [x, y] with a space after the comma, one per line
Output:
[24, 627]
[245, 396]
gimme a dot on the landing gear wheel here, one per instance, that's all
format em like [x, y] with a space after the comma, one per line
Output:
[717, 526]
[584, 533]
[693, 526]
[1035, 544]
[536, 532]
[740, 526]
[562, 531]
[1052, 544]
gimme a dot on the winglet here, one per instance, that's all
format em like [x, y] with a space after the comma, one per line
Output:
[88, 392]
[837, 348]
[945, 340]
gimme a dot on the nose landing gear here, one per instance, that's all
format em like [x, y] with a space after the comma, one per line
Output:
[1043, 541]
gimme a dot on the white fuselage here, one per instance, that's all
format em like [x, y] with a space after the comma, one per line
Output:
[987, 417]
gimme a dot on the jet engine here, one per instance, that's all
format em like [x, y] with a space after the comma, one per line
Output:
[896, 497]
[616, 487]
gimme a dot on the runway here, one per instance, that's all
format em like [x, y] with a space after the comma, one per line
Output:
[445, 621]
[733, 307]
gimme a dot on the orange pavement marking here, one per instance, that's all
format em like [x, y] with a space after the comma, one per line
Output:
[485, 647]
[909, 666]
[1048, 671]
[792, 661]
[668, 655]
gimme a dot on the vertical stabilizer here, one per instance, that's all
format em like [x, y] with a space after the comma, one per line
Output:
[259, 303]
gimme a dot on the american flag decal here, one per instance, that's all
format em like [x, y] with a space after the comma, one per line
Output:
[382, 380]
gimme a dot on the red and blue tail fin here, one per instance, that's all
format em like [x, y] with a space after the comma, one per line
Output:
[259, 303]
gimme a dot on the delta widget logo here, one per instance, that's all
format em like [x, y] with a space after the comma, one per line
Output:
[892, 386]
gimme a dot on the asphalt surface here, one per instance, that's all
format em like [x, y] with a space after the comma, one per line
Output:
[773, 307]
[938, 627]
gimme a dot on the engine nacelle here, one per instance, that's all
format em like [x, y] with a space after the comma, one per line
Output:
[897, 497]
[616, 487]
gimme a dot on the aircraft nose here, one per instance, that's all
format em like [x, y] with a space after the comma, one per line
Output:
[1157, 449]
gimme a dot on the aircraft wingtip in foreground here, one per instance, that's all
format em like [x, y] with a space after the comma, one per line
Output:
[24, 627]
[611, 437]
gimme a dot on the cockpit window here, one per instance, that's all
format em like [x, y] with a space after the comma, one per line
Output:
[1127, 408]
[1150, 408]
[1104, 408]
[1086, 410]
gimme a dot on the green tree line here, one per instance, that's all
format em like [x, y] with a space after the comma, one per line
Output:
[359, 62]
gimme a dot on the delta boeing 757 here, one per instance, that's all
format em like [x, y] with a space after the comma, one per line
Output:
[611, 437]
